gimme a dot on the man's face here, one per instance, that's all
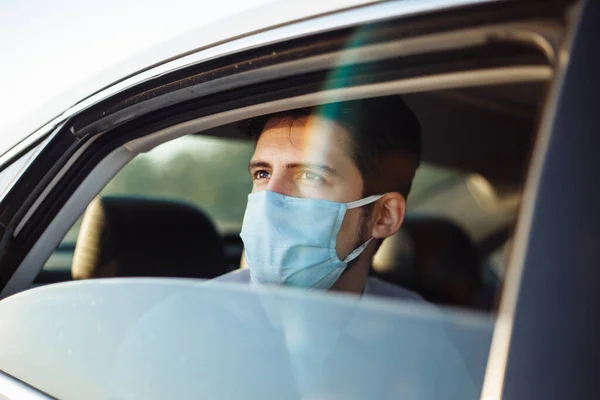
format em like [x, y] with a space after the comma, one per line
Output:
[310, 158]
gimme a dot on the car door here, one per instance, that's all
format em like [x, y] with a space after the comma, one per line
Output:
[544, 339]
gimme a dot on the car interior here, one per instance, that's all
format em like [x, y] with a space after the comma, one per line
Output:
[461, 211]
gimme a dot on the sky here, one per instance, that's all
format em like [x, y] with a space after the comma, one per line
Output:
[47, 47]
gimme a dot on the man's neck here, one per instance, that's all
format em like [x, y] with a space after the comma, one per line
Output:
[354, 277]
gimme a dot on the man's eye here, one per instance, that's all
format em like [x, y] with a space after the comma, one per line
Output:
[311, 176]
[261, 174]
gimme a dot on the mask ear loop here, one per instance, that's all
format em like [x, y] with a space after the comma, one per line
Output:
[355, 204]
[357, 252]
[363, 202]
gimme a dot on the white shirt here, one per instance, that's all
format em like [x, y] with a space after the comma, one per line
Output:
[373, 286]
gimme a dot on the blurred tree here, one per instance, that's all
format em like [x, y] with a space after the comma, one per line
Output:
[207, 172]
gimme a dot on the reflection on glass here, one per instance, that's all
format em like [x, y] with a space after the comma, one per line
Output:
[184, 339]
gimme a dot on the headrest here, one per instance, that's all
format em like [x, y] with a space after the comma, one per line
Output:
[146, 237]
[434, 257]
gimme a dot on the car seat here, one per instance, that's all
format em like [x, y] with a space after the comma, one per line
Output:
[433, 257]
[124, 237]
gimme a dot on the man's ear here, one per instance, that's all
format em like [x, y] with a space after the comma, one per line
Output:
[389, 215]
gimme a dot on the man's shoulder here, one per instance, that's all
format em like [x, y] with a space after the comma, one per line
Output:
[239, 275]
[378, 287]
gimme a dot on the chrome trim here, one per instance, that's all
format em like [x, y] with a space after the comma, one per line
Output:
[493, 384]
[11, 388]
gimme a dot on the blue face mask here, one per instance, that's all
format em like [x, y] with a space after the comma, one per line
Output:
[291, 241]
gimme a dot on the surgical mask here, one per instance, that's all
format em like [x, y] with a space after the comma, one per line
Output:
[291, 241]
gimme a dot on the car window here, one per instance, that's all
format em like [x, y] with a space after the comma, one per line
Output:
[186, 339]
[207, 172]
[212, 174]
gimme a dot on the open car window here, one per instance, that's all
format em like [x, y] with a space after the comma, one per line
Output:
[209, 173]
[212, 174]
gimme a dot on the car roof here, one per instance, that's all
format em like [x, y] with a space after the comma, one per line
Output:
[238, 25]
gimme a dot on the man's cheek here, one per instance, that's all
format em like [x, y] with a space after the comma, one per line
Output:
[348, 235]
[313, 191]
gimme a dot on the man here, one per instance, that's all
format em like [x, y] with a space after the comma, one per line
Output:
[329, 184]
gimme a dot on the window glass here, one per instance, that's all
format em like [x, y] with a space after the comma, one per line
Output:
[176, 339]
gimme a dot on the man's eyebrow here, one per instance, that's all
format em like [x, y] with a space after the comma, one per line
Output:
[319, 167]
[258, 164]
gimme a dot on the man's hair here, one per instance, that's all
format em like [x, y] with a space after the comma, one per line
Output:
[385, 138]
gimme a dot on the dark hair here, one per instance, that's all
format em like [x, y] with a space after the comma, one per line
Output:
[385, 136]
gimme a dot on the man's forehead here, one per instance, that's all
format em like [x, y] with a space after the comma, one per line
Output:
[311, 137]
